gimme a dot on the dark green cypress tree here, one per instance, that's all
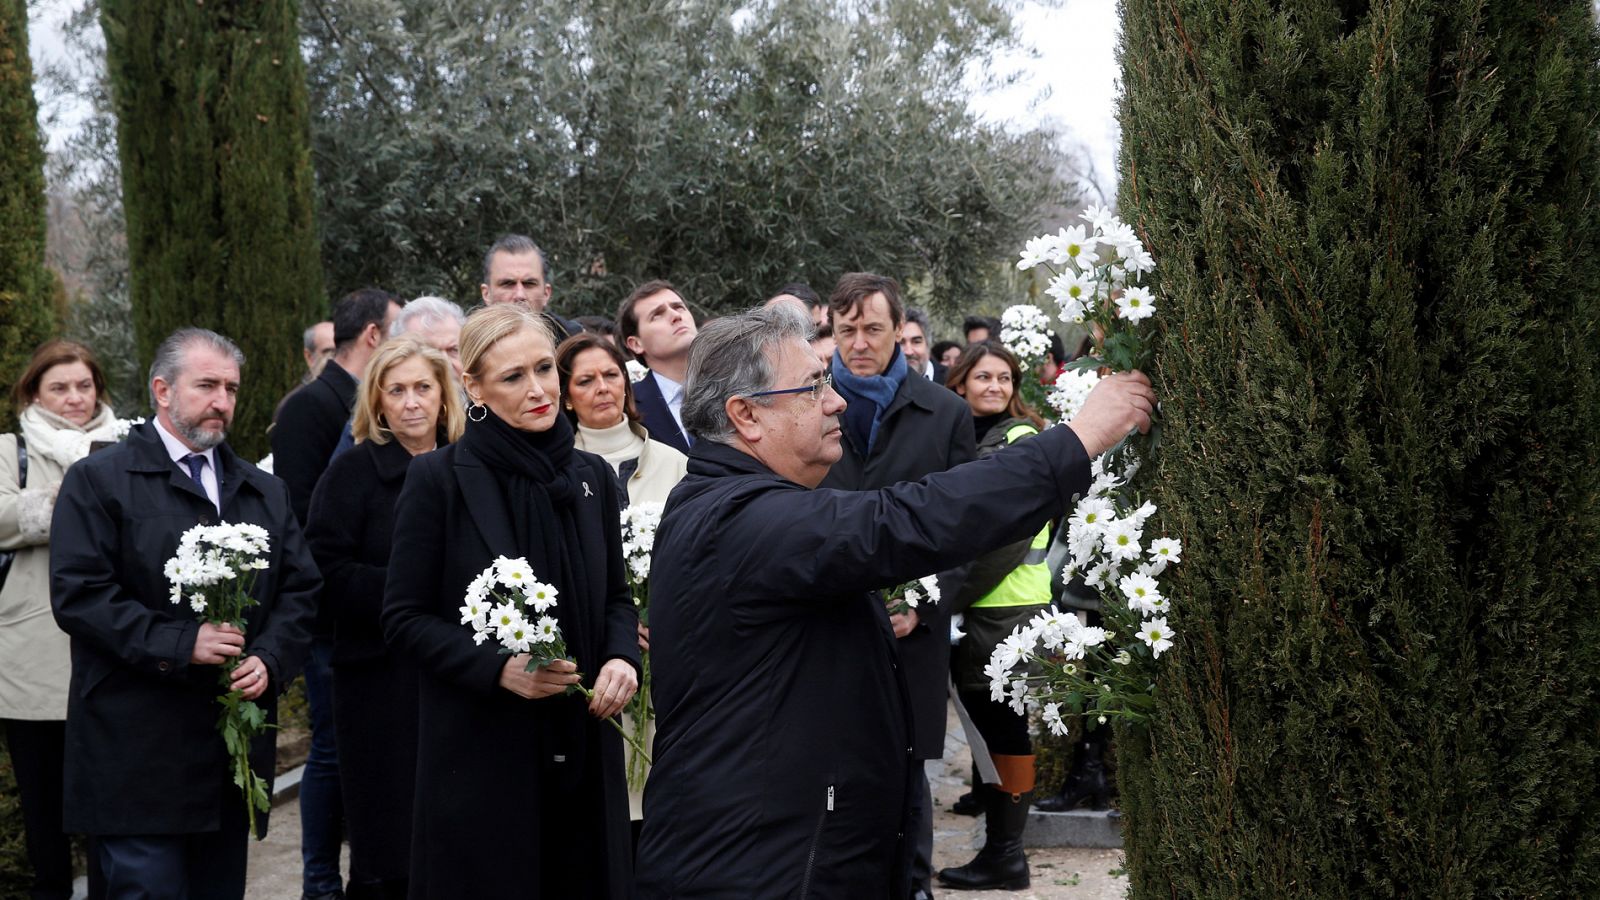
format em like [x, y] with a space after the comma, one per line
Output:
[213, 132]
[27, 315]
[1380, 263]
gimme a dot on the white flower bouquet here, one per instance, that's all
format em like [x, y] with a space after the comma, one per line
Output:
[906, 597]
[639, 523]
[1055, 665]
[213, 572]
[494, 607]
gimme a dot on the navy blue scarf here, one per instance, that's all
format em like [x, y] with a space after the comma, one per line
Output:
[868, 396]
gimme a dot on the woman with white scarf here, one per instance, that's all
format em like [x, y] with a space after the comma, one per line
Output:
[61, 402]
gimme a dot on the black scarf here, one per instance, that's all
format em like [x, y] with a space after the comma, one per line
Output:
[538, 476]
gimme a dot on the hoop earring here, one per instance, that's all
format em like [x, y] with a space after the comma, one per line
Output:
[480, 409]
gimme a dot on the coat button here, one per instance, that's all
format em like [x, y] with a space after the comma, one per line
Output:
[205, 520]
[164, 665]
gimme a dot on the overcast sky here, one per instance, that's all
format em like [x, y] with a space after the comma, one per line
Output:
[1070, 83]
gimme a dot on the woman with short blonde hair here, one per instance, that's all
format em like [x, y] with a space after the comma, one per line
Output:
[514, 763]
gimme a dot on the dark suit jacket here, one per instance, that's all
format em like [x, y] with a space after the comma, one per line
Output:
[451, 521]
[939, 372]
[307, 430]
[926, 429]
[656, 416]
[143, 752]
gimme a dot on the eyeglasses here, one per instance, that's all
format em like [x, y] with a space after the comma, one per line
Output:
[815, 389]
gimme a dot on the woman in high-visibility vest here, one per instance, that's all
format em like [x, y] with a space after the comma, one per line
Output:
[1002, 590]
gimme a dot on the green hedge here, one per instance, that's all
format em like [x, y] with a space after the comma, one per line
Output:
[217, 185]
[1376, 227]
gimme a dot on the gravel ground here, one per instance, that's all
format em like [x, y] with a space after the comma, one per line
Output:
[1058, 874]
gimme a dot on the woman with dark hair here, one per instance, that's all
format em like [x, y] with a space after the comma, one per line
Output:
[407, 405]
[1003, 589]
[520, 786]
[599, 401]
[62, 410]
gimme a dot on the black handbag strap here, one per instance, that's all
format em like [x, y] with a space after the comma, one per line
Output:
[22, 461]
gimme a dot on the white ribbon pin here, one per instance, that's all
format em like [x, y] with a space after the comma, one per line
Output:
[586, 491]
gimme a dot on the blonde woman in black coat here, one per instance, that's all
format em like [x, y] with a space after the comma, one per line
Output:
[520, 785]
[407, 405]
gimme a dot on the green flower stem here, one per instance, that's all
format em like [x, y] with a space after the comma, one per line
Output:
[616, 722]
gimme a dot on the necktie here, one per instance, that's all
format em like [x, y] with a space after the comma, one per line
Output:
[196, 463]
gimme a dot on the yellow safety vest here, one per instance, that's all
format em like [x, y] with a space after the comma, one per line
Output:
[1029, 583]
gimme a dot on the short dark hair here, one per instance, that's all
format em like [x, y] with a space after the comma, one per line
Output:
[358, 309]
[939, 349]
[801, 290]
[568, 352]
[516, 245]
[970, 323]
[825, 330]
[597, 325]
[856, 287]
[49, 355]
[1058, 350]
[627, 320]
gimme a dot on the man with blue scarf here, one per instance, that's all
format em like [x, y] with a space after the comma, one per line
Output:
[899, 428]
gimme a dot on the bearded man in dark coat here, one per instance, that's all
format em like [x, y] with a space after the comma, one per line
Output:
[784, 754]
[147, 772]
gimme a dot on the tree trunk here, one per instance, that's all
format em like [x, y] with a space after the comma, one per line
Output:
[1376, 226]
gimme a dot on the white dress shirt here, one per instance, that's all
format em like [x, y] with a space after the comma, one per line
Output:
[672, 392]
[208, 472]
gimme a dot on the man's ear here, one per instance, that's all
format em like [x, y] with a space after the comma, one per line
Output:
[161, 391]
[634, 345]
[742, 416]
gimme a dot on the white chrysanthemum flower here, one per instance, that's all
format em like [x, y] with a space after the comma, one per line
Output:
[1052, 719]
[1140, 591]
[911, 597]
[1023, 331]
[930, 586]
[999, 676]
[1121, 540]
[513, 573]
[1052, 626]
[1017, 648]
[1019, 697]
[1156, 634]
[1138, 260]
[1075, 245]
[541, 596]
[517, 638]
[1136, 304]
[197, 603]
[1071, 389]
[504, 616]
[1122, 658]
[475, 612]
[546, 631]
[1159, 605]
[478, 637]
[1098, 216]
[1073, 292]
[1143, 513]
[1038, 250]
[1166, 550]
[1093, 514]
[636, 371]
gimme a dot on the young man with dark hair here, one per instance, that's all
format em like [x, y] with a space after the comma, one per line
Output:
[655, 325]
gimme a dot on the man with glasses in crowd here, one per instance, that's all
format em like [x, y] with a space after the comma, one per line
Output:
[784, 756]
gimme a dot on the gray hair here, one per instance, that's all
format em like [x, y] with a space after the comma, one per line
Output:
[310, 338]
[731, 357]
[426, 312]
[921, 318]
[516, 245]
[169, 355]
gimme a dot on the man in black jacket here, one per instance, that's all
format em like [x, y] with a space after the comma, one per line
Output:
[515, 271]
[900, 427]
[783, 755]
[146, 770]
[303, 440]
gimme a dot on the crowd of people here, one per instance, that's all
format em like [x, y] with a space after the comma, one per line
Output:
[811, 454]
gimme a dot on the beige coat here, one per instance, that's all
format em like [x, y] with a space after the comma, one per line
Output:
[37, 664]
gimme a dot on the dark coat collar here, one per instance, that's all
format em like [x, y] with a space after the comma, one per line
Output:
[149, 454]
[715, 460]
[342, 383]
[485, 502]
[391, 459]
